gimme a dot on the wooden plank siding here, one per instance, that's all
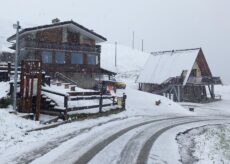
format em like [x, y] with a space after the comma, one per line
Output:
[203, 65]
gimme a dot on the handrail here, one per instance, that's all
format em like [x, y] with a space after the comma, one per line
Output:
[56, 93]
[65, 78]
[66, 96]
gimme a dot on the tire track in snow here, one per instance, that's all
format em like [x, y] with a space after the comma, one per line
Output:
[50, 145]
[132, 148]
[87, 156]
[145, 151]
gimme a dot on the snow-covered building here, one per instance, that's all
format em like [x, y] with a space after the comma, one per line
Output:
[66, 48]
[182, 75]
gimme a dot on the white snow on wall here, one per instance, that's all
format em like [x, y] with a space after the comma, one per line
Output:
[162, 65]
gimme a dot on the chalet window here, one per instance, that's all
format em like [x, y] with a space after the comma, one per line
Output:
[76, 58]
[91, 59]
[60, 57]
[47, 57]
[194, 73]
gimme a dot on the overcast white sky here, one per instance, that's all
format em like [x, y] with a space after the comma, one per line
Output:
[163, 24]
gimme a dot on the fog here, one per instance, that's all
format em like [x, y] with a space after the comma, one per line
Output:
[162, 24]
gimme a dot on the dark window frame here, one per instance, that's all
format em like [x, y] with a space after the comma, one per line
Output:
[47, 57]
[60, 57]
[91, 59]
[77, 58]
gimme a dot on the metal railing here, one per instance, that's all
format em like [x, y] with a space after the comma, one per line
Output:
[65, 78]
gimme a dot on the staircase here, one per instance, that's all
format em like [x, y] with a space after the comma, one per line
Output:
[164, 90]
[50, 107]
[65, 78]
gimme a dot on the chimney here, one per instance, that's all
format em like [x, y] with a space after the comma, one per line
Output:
[56, 20]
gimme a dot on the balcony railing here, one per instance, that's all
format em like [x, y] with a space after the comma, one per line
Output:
[204, 80]
[193, 80]
[61, 46]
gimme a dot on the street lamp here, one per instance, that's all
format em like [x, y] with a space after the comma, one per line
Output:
[17, 27]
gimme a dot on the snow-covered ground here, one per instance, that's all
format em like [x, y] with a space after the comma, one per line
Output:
[133, 127]
[206, 144]
[4, 89]
[214, 108]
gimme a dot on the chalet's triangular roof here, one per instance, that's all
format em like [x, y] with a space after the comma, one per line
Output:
[76, 26]
[163, 65]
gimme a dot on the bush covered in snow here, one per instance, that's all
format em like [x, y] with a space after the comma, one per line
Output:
[5, 102]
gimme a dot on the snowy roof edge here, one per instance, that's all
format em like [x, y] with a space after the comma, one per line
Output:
[11, 38]
[143, 79]
[173, 51]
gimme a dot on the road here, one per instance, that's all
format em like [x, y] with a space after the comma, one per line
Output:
[123, 141]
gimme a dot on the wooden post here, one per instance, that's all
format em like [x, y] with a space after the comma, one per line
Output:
[9, 68]
[65, 115]
[179, 94]
[11, 90]
[100, 103]
[9, 71]
[66, 101]
[66, 107]
[212, 90]
[113, 100]
[140, 86]
[39, 91]
[124, 101]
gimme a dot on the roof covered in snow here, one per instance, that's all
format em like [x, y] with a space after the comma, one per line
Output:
[71, 24]
[160, 66]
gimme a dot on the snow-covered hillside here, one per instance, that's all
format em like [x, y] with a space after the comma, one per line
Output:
[129, 61]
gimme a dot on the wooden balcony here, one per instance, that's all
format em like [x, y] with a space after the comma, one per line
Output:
[60, 46]
[193, 81]
[204, 80]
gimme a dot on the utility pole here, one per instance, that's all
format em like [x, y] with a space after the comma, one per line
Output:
[142, 45]
[133, 40]
[115, 54]
[17, 27]
[1, 42]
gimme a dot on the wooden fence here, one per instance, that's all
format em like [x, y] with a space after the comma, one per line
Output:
[76, 96]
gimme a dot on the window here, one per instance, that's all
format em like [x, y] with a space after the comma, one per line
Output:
[76, 58]
[60, 57]
[92, 59]
[194, 73]
[47, 57]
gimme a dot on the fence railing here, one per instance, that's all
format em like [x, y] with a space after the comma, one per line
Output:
[87, 96]
[99, 105]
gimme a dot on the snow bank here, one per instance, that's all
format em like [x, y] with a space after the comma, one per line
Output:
[13, 129]
[4, 89]
[142, 103]
[207, 144]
